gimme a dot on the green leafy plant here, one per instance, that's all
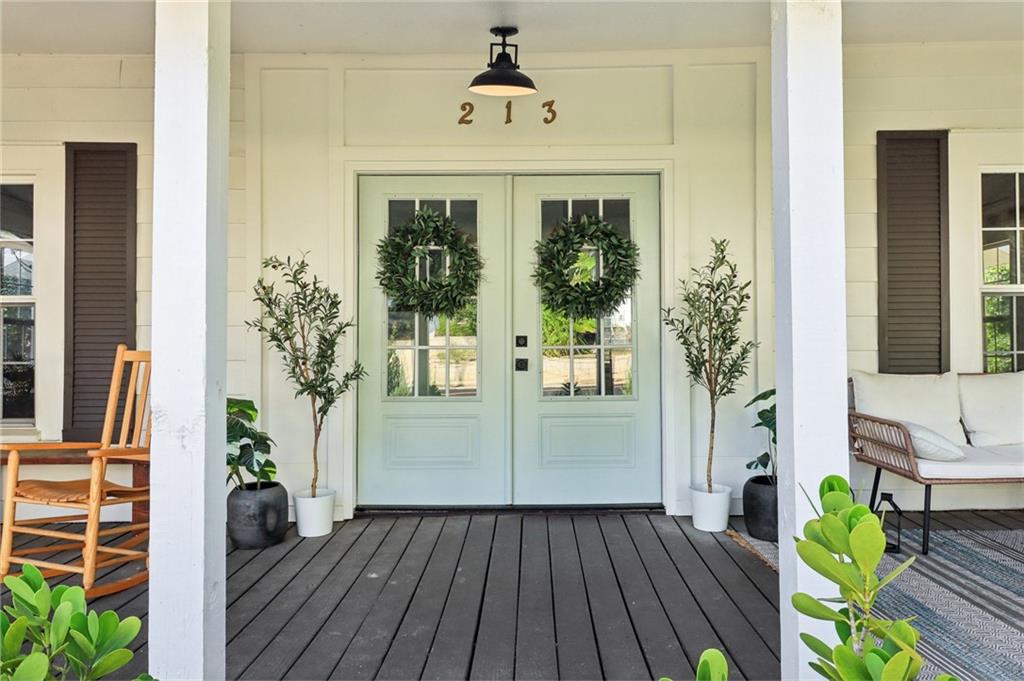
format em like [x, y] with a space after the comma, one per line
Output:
[248, 447]
[708, 328]
[432, 238]
[304, 325]
[567, 268]
[50, 633]
[845, 544]
[767, 460]
[712, 666]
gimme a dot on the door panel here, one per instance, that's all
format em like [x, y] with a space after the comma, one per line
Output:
[432, 411]
[586, 415]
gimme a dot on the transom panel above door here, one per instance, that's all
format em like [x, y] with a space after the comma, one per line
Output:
[507, 402]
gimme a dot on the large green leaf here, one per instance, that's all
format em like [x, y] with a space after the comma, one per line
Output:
[125, 633]
[819, 559]
[14, 637]
[712, 666]
[849, 664]
[21, 589]
[111, 662]
[60, 625]
[836, 533]
[897, 571]
[817, 646]
[899, 667]
[833, 502]
[34, 667]
[867, 545]
[833, 483]
[812, 607]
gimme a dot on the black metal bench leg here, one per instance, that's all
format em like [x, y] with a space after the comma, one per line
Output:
[927, 518]
[874, 488]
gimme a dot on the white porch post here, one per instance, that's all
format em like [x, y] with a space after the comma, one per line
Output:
[190, 154]
[807, 156]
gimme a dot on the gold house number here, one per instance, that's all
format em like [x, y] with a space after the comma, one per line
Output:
[467, 110]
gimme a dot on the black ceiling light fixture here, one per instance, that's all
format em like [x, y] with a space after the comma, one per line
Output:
[503, 77]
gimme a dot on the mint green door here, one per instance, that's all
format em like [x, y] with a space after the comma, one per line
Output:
[432, 412]
[586, 411]
[444, 417]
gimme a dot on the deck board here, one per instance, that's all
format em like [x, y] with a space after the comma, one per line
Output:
[494, 653]
[536, 657]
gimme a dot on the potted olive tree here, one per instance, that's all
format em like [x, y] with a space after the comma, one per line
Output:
[257, 510]
[708, 328]
[303, 323]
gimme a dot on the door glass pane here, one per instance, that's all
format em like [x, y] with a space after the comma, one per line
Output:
[556, 373]
[618, 372]
[419, 361]
[582, 207]
[585, 372]
[998, 200]
[552, 212]
[617, 328]
[554, 327]
[18, 362]
[616, 213]
[999, 256]
[585, 332]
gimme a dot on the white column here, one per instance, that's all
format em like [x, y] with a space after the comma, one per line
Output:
[190, 155]
[807, 159]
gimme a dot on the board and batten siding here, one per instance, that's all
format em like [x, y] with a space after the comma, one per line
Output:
[51, 99]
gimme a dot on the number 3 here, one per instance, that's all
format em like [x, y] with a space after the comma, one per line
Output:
[467, 111]
[549, 106]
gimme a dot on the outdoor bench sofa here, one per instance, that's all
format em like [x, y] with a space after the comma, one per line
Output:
[946, 429]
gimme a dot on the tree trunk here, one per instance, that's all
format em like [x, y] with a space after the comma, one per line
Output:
[711, 445]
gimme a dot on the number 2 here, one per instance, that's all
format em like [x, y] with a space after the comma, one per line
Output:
[467, 111]
[549, 106]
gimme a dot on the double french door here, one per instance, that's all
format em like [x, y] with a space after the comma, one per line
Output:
[509, 402]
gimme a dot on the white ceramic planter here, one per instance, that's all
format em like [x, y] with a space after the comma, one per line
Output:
[314, 516]
[711, 511]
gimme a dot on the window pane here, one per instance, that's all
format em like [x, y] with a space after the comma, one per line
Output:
[554, 327]
[462, 326]
[18, 362]
[618, 372]
[999, 256]
[616, 213]
[400, 212]
[17, 270]
[464, 216]
[584, 332]
[552, 212]
[582, 207]
[401, 327]
[585, 372]
[998, 200]
[556, 373]
[998, 324]
[617, 328]
[400, 373]
[436, 265]
[998, 364]
[462, 373]
[436, 205]
[431, 370]
[16, 211]
[431, 330]
[1020, 199]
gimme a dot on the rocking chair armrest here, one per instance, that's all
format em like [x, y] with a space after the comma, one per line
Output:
[47, 446]
[139, 454]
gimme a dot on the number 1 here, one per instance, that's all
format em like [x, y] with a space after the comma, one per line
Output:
[508, 112]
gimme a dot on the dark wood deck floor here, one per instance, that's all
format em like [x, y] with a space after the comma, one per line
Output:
[506, 596]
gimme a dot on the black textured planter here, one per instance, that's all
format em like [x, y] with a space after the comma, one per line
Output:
[257, 518]
[761, 508]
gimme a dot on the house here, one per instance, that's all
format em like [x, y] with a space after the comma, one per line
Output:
[163, 149]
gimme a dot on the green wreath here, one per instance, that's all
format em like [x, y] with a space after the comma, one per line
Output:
[397, 263]
[564, 279]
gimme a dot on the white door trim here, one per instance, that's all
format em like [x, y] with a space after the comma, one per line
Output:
[675, 394]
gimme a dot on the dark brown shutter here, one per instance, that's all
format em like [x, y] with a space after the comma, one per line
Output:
[913, 253]
[99, 277]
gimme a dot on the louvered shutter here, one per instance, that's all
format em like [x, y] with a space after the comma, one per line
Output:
[913, 252]
[99, 277]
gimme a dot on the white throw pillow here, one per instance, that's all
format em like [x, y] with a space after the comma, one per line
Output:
[931, 445]
[993, 408]
[930, 400]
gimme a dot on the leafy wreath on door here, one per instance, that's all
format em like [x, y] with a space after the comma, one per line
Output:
[399, 256]
[565, 280]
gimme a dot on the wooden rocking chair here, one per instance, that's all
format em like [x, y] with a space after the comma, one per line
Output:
[88, 495]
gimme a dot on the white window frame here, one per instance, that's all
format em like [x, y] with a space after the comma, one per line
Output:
[1000, 289]
[42, 166]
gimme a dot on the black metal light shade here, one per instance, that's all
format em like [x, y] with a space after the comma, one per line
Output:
[503, 77]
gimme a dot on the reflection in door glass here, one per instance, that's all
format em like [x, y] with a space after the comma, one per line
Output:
[587, 357]
[420, 358]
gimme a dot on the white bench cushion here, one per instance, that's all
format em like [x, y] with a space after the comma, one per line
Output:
[931, 400]
[931, 445]
[1006, 461]
[993, 408]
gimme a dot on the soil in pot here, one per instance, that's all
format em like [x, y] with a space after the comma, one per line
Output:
[257, 518]
[761, 507]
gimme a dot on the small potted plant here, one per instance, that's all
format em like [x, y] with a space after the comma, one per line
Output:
[303, 323]
[761, 493]
[708, 328]
[258, 510]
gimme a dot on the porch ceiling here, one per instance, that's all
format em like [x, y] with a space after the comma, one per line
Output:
[86, 26]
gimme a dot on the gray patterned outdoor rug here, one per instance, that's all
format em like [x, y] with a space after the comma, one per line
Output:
[967, 595]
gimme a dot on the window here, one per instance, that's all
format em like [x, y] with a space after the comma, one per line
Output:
[433, 356]
[17, 303]
[587, 357]
[1002, 239]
